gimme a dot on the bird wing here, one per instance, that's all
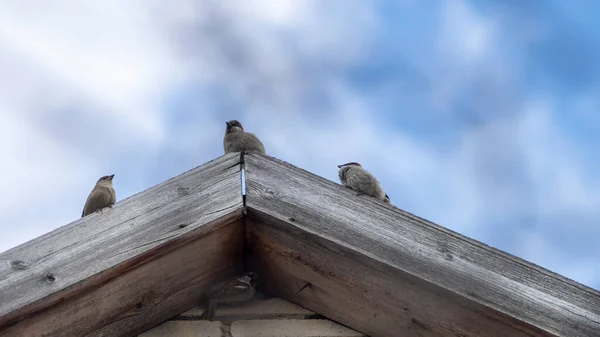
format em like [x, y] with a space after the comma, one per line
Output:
[231, 288]
[98, 199]
[235, 290]
[253, 139]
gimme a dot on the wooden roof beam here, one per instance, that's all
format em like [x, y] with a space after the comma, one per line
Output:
[386, 272]
[119, 273]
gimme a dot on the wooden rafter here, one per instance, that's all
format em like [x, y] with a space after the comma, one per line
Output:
[355, 260]
[123, 271]
[385, 272]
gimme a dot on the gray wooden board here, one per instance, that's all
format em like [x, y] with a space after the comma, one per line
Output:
[506, 285]
[92, 250]
[142, 297]
[363, 293]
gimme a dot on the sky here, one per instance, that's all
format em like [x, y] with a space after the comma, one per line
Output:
[480, 116]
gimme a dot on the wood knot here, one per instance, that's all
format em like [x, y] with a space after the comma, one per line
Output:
[446, 253]
[473, 295]
[269, 193]
[148, 300]
[50, 277]
[183, 191]
[19, 264]
[418, 324]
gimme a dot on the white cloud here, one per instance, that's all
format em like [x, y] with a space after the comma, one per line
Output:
[280, 13]
[464, 34]
[560, 176]
[36, 175]
[101, 59]
[26, 165]
[124, 61]
[111, 65]
[106, 53]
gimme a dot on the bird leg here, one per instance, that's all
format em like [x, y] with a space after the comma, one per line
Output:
[209, 312]
[102, 209]
[357, 194]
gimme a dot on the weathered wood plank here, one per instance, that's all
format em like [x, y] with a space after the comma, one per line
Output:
[143, 297]
[363, 293]
[364, 256]
[96, 262]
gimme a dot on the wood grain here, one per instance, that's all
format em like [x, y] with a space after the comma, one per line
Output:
[143, 261]
[380, 270]
[366, 295]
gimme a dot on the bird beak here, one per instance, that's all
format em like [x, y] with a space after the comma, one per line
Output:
[112, 176]
[340, 166]
[228, 124]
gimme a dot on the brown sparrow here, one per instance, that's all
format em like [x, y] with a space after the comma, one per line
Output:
[239, 289]
[103, 195]
[355, 177]
[237, 140]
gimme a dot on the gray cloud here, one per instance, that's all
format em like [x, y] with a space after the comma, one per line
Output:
[286, 76]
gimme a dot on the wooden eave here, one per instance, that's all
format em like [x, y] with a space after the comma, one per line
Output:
[355, 260]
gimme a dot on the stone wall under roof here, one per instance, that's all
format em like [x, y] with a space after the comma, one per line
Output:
[261, 317]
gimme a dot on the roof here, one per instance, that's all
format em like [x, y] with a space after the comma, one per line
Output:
[355, 260]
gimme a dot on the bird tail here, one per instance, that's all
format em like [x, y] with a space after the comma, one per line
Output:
[387, 199]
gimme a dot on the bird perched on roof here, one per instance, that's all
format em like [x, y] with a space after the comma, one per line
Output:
[237, 140]
[355, 177]
[103, 195]
[235, 290]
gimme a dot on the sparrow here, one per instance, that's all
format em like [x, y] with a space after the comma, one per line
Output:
[355, 177]
[103, 195]
[237, 140]
[238, 289]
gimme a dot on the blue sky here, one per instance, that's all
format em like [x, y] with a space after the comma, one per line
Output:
[478, 115]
